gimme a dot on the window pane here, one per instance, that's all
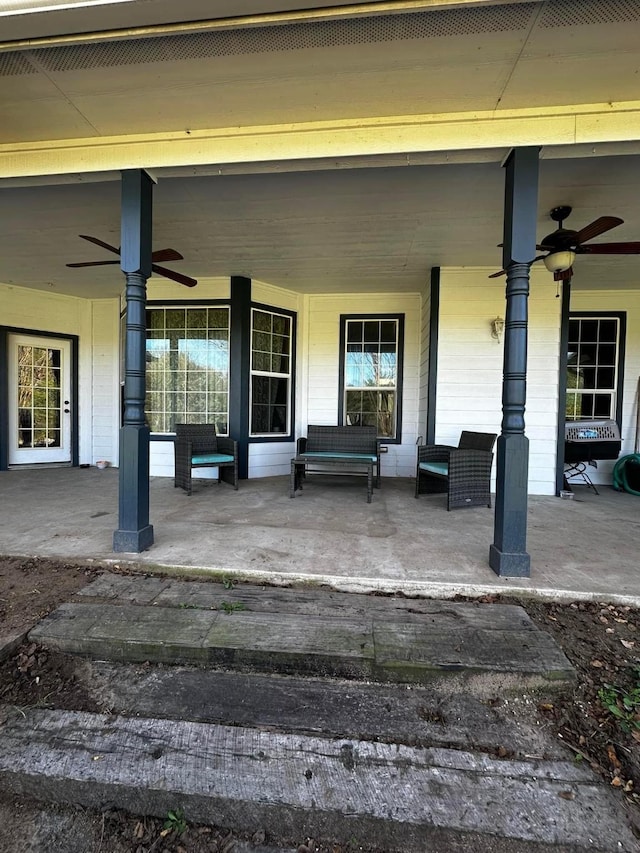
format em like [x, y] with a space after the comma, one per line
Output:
[589, 330]
[608, 331]
[354, 331]
[602, 406]
[371, 331]
[261, 321]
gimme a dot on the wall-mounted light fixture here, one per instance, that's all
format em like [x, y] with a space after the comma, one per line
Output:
[497, 328]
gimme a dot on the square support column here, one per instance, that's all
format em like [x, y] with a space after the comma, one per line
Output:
[134, 532]
[508, 556]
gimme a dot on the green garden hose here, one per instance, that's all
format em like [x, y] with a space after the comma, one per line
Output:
[621, 475]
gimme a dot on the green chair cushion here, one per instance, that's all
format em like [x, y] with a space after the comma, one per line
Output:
[441, 468]
[210, 458]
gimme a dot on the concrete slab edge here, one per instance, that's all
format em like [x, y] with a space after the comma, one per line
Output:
[342, 583]
[412, 589]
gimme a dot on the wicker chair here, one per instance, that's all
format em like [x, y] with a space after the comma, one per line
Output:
[198, 446]
[463, 472]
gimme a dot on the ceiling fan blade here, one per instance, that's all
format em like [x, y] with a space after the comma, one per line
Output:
[595, 228]
[167, 255]
[174, 276]
[610, 249]
[93, 264]
[100, 243]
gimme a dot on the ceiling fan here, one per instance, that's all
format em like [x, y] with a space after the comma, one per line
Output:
[563, 244]
[160, 255]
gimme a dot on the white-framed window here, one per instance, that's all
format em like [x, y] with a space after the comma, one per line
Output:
[187, 366]
[271, 372]
[371, 373]
[593, 366]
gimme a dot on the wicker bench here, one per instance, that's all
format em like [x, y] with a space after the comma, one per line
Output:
[349, 449]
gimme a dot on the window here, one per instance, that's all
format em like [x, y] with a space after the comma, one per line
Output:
[371, 373]
[187, 367]
[593, 367]
[271, 372]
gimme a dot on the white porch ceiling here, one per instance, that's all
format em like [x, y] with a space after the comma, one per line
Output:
[351, 230]
[337, 227]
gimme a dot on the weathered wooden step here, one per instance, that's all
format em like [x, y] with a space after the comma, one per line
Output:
[365, 646]
[391, 713]
[292, 786]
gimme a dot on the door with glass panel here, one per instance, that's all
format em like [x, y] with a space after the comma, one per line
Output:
[39, 400]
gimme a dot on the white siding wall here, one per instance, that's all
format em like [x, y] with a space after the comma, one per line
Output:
[618, 300]
[321, 356]
[105, 382]
[469, 394]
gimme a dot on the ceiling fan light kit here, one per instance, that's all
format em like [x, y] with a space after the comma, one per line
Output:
[559, 261]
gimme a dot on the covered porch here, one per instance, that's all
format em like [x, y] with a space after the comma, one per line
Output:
[580, 549]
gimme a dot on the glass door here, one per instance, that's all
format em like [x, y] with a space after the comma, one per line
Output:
[39, 400]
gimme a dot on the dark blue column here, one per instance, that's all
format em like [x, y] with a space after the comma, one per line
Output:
[239, 367]
[134, 532]
[508, 556]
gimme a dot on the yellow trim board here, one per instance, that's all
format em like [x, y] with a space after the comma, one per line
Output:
[567, 125]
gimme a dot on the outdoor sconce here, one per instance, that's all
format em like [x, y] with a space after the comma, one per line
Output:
[497, 328]
[559, 261]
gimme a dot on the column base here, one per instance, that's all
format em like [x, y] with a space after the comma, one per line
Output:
[133, 541]
[509, 565]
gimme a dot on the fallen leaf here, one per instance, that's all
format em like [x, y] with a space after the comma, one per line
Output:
[628, 644]
[635, 734]
[597, 663]
[613, 758]
[546, 706]
[628, 787]
[616, 782]
[138, 832]
[567, 795]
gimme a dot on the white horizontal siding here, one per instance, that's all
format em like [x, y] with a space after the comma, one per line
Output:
[271, 459]
[470, 365]
[105, 381]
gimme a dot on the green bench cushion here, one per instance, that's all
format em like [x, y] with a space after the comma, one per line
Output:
[441, 468]
[328, 454]
[210, 458]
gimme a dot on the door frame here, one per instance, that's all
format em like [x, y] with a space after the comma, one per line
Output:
[5, 332]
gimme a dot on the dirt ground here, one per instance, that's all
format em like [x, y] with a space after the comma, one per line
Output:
[599, 721]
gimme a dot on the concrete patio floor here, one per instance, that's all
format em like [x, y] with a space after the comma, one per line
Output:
[581, 548]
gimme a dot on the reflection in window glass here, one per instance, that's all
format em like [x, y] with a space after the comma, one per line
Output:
[187, 367]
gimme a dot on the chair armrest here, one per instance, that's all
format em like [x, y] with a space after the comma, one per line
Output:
[227, 446]
[301, 446]
[434, 452]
